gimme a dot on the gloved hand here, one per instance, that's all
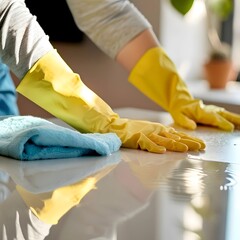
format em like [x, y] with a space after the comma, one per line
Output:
[51, 84]
[156, 76]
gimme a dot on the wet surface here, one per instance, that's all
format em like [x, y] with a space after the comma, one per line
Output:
[130, 194]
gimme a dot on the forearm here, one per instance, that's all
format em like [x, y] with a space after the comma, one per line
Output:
[22, 40]
[109, 24]
[130, 54]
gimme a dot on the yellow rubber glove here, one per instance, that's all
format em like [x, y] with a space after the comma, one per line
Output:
[51, 84]
[156, 76]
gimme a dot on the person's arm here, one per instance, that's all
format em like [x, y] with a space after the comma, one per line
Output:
[124, 34]
[155, 75]
[130, 54]
[109, 24]
[50, 83]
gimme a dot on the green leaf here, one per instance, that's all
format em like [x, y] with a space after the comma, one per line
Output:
[222, 8]
[182, 6]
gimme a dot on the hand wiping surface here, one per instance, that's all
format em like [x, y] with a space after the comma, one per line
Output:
[34, 138]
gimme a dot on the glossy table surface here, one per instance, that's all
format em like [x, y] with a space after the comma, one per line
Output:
[138, 195]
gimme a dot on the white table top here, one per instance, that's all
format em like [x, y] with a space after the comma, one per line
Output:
[140, 196]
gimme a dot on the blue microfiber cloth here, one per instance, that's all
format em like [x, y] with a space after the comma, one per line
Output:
[33, 138]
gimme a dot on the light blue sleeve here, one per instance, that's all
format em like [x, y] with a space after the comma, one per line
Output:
[8, 95]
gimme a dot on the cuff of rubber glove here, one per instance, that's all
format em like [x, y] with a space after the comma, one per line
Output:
[52, 85]
[153, 75]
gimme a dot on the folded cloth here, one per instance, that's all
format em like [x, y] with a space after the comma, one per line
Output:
[34, 138]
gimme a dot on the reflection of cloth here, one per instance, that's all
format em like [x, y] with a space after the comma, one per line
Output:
[46, 176]
[8, 105]
[31, 138]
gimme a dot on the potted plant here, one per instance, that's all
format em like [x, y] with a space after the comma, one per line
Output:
[218, 68]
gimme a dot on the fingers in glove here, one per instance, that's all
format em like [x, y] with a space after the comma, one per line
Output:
[231, 117]
[184, 121]
[192, 145]
[171, 135]
[169, 143]
[146, 143]
[222, 123]
[213, 117]
[191, 138]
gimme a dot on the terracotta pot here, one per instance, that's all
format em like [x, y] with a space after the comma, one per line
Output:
[218, 73]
